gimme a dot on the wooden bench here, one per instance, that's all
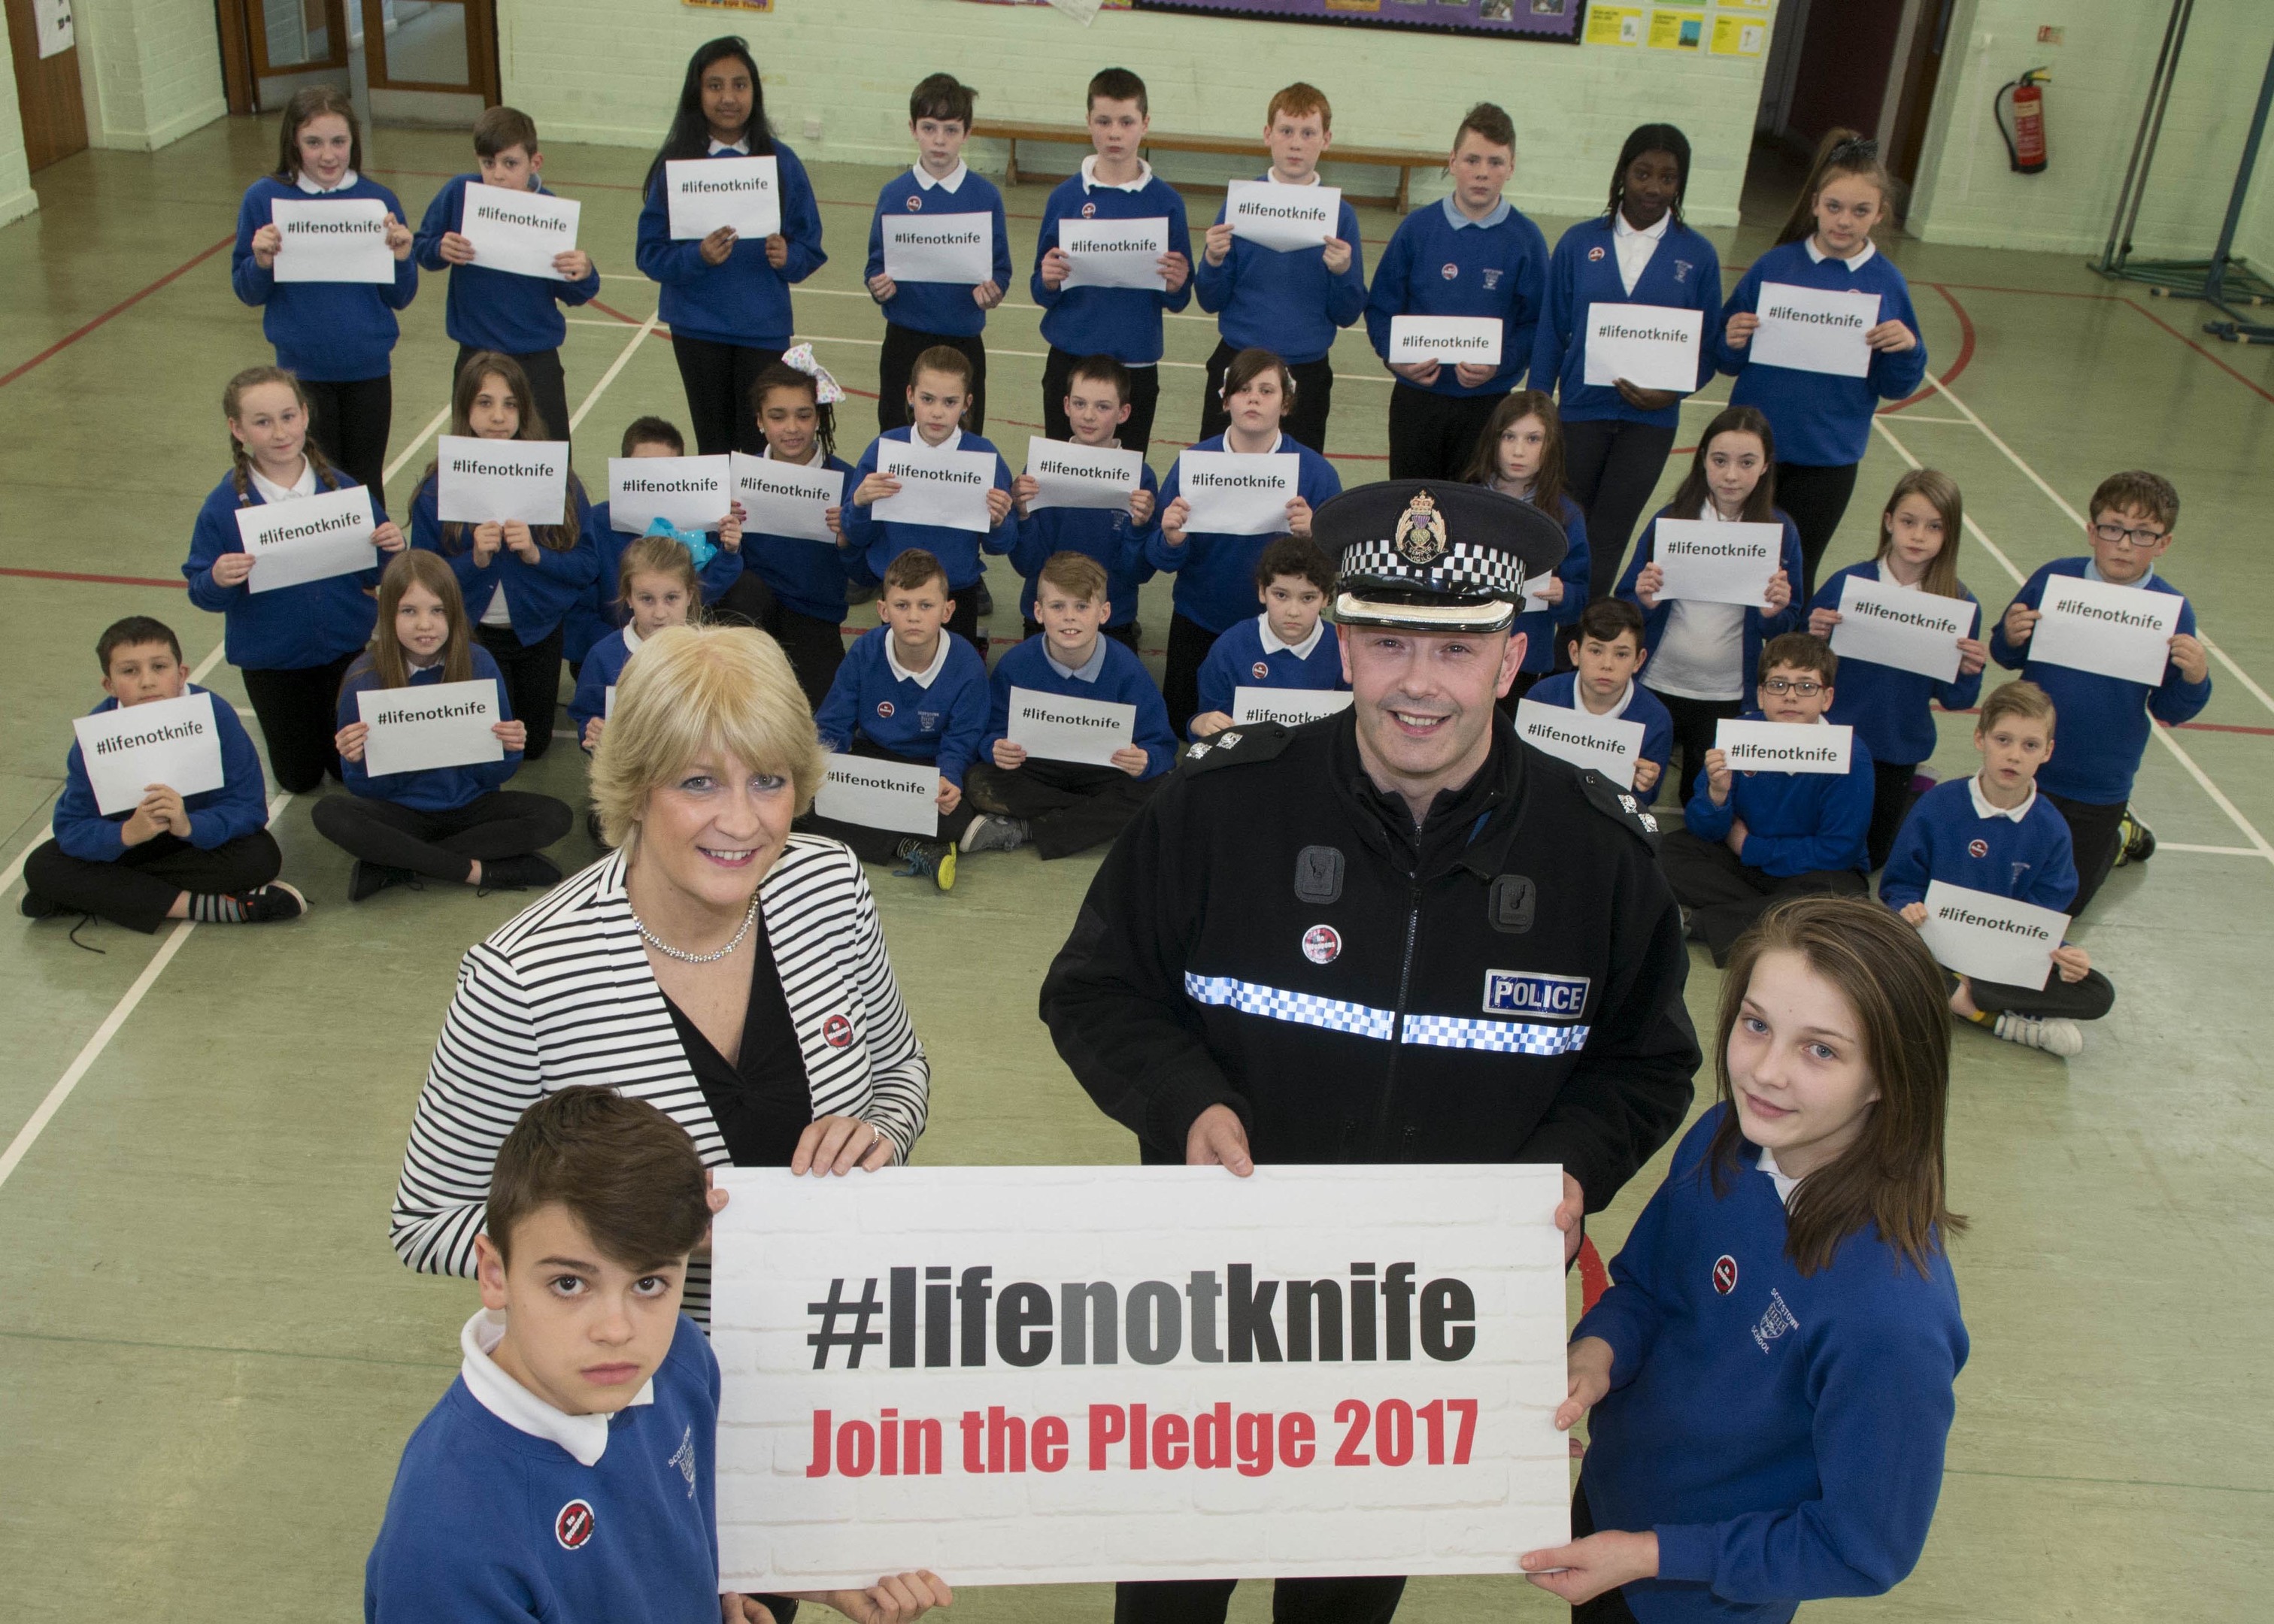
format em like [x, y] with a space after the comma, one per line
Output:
[1014, 131]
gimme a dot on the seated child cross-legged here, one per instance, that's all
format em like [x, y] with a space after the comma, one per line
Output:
[1996, 833]
[570, 1472]
[1067, 807]
[1607, 651]
[1286, 646]
[1749, 837]
[207, 856]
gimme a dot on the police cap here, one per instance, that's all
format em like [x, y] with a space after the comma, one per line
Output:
[1434, 555]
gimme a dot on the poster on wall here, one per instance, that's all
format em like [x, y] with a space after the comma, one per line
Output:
[51, 20]
[1559, 20]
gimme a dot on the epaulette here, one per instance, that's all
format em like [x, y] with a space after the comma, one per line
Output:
[1622, 806]
[1243, 741]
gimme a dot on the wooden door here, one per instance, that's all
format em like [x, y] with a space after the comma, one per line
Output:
[433, 45]
[47, 91]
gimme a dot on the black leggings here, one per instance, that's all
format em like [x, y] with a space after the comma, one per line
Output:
[1293, 1601]
[1694, 724]
[2096, 835]
[1613, 466]
[1144, 400]
[1305, 421]
[1071, 806]
[136, 888]
[1890, 803]
[547, 383]
[816, 647]
[533, 681]
[718, 378]
[1813, 499]
[349, 422]
[2088, 999]
[442, 845]
[300, 712]
[1189, 642]
[1725, 896]
[1435, 436]
[896, 363]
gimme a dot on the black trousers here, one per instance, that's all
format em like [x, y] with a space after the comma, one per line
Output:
[1305, 420]
[1293, 1601]
[351, 421]
[1613, 467]
[2094, 839]
[882, 846]
[896, 365]
[1434, 436]
[532, 680]
[1144, 400]
[718, 378]
[547, 383]
[1694, 722]
[1725, 897]
[1126, 635]
[442, 845]
[2088, 999]
[1069, 806]
[1890, 802]
[1611, 1606]
[298, 712]
[1813, 499]
[138, 889]
[1189, 642]
[816, 647]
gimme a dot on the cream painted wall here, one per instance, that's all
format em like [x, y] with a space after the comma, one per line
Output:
[17, 197]
[149, 69]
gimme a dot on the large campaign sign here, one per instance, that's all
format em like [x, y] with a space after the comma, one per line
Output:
[1054, 1375]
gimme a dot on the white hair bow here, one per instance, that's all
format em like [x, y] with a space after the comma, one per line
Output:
[826, 390]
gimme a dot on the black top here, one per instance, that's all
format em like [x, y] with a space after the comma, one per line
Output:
[762, 1103]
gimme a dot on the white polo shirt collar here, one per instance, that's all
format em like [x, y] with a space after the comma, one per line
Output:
[300, 179]
[921, 679]
[1579, 700]
[583, 1437]
[1854, 262]
[740, 149]
[951, 183]
[1982, 808]
[1090, 183]
[1272, 644]
[1086, 673]
[271, 491]
[632, 640]
[955, 438]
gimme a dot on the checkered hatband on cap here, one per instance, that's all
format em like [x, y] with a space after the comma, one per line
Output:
[1463, 570]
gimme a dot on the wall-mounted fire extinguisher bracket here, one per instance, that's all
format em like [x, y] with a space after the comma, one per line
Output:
[2025, 133]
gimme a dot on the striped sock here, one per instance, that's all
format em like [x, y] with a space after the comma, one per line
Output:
[215, 909]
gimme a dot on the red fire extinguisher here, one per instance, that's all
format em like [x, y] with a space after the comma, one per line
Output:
[2025, 140]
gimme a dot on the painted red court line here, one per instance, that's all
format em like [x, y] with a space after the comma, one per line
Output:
[71, 575]
[2256, 389]
[1965, 352]
[1594, 1278]
[130, 300]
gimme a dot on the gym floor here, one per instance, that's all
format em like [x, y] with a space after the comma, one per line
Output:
[214, 1357]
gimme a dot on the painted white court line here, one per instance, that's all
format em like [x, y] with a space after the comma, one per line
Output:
[2205, 851]
[387, 475]
[623, 359]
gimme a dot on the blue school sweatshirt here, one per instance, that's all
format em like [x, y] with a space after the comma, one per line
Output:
[2103, 721]
[1238, 660]
[1760, 625]
[945, 308]
[292, 627]
[1947, 838]
[596, 613]
[537, 595]
[1888, 708]
[1641, 706]
[1282, 300]
[1682, 273]
[1215, 575]
[1122, 322]
[1822, 420]
[1119, 678]
[1784, 1437]
[1116, 542]
[744, 301]
[1441, 263]
[1544, 628]
[326, 332]
[216, 815]
[937, 716]
[434, 789]
[489, 308]
[1796, 823]
[875, 543]
[808, 577]
[603, 668]
[482, 1522]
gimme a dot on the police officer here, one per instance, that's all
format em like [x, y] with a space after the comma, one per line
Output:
[1398, 933]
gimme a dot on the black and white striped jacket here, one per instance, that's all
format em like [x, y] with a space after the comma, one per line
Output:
[563, 994]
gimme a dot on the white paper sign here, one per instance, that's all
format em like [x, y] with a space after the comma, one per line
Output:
[1609, 744]
[1279, 217]
[1887, 625]
[1067, 475]
[1993, 938]
[1784, 746]
[949, 248]
[2119, 631]
[429, 724]
[693, 492]
[1535, 598]
[1116, 253]
[946, 488]
[308, 538]
[1234, 494]
[705, 194]
[880, 794]
[785, 498]
[1815, 330]
[57, 34]
[1060, 727]
[1137, 1373]
[1651, 346]
[518, 231]
[169, 742]
[329, 239]
[483, 480]
[1449, 339]
[1718, 563]
[1291, 707]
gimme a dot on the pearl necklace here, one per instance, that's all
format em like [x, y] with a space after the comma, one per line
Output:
[669, 951]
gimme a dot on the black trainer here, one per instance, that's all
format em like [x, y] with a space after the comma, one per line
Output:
[533, 871]
[272, 904]
[35, 906]
[2139, 841]
[368, 879]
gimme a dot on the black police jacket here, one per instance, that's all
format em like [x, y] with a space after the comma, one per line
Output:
[1271, 934]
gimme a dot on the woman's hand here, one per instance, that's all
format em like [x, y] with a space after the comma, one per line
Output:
[522, 544]
[1891, 338]
[398, 238]
[875, 488]
[488, 537]
[1299, 516]
[514, 734]
[1738, 331]
[1587, 1371]
[715, 247]
[389, 537]
[232, 568]
[267, 243]
[349, 740]
[838, 1145]
[1586, 1568]
[1650, 584]
[1645, 400]
[1973, 655]
[777, 250]
[1779, 593]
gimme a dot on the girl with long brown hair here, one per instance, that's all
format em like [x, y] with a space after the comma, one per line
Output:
[1520, 453]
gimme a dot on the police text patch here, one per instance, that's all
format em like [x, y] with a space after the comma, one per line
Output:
[1523, 992]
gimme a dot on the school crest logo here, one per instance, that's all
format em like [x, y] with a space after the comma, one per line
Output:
[572, 1527]
[1725, 1274]
[1421, 529]
[684, 1458]
[1774, 1323]
[837, 1032]
[1089, 211]
[1322, 944]
[916, 204]
[1449, 270]
[1594, 254]
[927, 721]
[1259, 671]
[1682, 269]
[1492, 274]
[1978, 848]
[885, 709]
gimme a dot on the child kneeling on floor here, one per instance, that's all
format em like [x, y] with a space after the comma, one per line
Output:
[1996, 833]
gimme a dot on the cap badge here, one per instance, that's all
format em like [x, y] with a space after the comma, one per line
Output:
[1421, 529]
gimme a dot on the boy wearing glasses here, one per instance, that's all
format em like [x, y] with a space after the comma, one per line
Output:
[1750, 839]
[2089, 781]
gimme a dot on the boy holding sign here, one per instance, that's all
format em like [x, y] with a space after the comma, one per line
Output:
[1067, 806]
[1607, 651]
[1996, 834]
[932, 227]
[2135, 515]
[1096, 407]
[1287, 646]
[1753, 837]
[206, 856]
